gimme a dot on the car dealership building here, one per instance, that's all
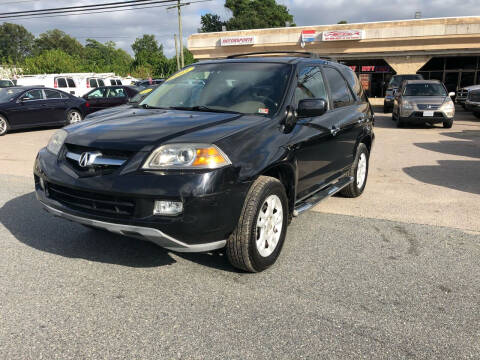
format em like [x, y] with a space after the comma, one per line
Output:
[447, 49]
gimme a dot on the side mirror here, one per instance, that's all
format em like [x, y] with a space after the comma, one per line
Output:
[451, 94]
[311, 107]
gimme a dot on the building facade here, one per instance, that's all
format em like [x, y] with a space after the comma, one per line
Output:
[447, 49]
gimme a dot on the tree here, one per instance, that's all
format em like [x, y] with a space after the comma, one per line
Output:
[147, 51]
[50, 62]
[16, 43]
[105, 58]
[57, 39]
[211, 23]
[257, 14]
[343, 22]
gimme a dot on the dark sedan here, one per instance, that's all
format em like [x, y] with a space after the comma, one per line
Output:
[28, 107]
[109, 96]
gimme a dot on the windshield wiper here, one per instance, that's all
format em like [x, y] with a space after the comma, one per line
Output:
[203, 108]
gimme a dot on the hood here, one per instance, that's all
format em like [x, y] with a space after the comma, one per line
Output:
[432, 100]
[142, 129]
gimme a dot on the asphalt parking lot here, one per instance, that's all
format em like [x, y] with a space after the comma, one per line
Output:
[393, 274]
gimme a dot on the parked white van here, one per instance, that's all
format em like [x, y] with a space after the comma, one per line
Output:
[65, 83]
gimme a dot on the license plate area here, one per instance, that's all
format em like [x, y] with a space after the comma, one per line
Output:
[428, 113]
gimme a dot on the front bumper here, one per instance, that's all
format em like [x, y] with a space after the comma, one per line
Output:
[212, 202]
[143, 233]
[416, 117]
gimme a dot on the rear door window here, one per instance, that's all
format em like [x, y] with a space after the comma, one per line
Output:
[62, 83]
[52, 94]
[119, 82]
[310, 84]
[112, 82]
[71, 83]
[340, 93]
[93, 83]
[101, 82]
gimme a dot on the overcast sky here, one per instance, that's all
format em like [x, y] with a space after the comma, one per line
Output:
[123, 27]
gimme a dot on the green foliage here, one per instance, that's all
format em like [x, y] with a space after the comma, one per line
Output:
[211, 23]
[16, 43]
[343, 22]
[50, 61]
[54, 51]
[257, 14]
[57, 39]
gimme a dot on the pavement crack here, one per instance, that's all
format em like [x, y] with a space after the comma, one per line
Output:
[414, 244]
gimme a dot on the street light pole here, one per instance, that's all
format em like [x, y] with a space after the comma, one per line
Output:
[176, 51]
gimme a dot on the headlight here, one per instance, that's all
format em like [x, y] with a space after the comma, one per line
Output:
[448, 106]
[406, 105]
[186, 156]
[56, 141]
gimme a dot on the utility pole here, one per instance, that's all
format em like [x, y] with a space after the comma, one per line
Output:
[176, 51]
[180, 32]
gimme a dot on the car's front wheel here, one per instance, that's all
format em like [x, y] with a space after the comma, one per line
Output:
[73, 117]
[3, 125]
[447, 124]
[359, 173]
[258, 239]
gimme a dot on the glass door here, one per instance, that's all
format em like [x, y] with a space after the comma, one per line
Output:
[451, 80]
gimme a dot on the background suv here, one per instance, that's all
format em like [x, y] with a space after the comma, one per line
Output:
[393, 86]
[423, 101]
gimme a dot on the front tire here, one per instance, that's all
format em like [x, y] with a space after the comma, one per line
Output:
[447, 124]
[359, 172]
[3, 125]
[258, 238]
[73, 117]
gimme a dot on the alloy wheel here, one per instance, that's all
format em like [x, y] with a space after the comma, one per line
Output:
[269, 225]
[361, 170]
[74, 117]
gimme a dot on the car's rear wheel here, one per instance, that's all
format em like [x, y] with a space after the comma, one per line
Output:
[73, 117]
[359, 173]
[399, 121]
[3, 125]
[258, 239]
[477, 114]
[447, 124]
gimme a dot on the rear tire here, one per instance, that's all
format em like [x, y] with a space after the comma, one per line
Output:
[258, 238]
[3, 125]
[359, 172]
[399, 122]
[477, 114]
[447, 124]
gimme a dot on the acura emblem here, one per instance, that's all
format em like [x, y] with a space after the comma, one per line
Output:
[88, 158]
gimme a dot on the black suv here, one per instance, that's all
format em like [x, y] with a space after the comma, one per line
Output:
[223, 154]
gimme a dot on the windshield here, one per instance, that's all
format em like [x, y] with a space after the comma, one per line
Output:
[5, 83]
[396, 81]
[425, 90]
[247, 88]
[6, 94]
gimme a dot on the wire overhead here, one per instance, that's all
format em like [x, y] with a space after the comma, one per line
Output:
[72, 10]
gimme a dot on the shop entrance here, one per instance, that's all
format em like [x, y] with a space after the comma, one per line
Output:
[374, 75]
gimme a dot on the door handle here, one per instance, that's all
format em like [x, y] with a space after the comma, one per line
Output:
[334, 130]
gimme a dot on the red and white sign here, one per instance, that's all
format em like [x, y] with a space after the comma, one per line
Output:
[337, 35]
[308, 36]
[237, 40]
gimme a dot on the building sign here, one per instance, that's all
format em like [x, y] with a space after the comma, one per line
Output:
[336, 35]
[365, 81]
[308, 36]
[237, 40]
[376, 69]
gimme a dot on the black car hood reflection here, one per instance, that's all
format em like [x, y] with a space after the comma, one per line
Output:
[142, 129]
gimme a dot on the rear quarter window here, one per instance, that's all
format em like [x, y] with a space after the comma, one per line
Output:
[101, 82]
[355, 84]
[71, 83]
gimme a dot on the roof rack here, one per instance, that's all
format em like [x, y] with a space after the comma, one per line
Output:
[297, 53]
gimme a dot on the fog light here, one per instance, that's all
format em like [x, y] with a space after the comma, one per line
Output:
[168, 208]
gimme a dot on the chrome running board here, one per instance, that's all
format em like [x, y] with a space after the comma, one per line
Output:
[317, 197]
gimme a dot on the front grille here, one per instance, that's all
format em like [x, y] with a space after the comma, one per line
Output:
[462, 93]
[95, 170]
[428, 107]
[90, 202]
